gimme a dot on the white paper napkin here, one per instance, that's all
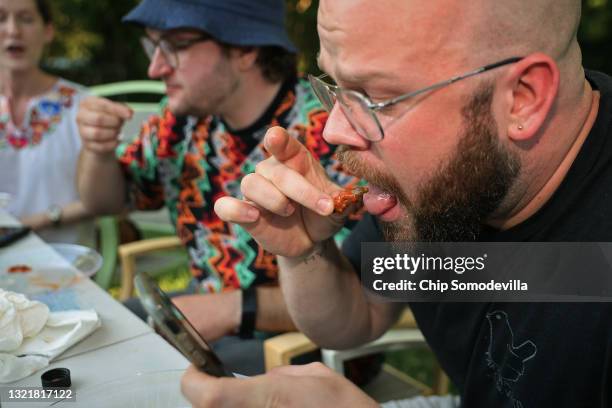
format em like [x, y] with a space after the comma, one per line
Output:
[31, 336]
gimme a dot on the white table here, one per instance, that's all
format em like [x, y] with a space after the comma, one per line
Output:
[121, 347]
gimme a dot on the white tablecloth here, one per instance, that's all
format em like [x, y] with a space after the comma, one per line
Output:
[123, 346]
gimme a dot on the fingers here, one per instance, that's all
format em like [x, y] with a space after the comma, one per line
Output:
[107, 106]
[99, 118]
[273, 187]
[272, 200]
[99, 140]
[289, 151]
[281, 145]
[100, 122]
[313, 369]
[274, 194]
[200, 389]
[231, 209]
[205, 391]
[102, 147]
[290, 183]
[311, 385]
[98, 134]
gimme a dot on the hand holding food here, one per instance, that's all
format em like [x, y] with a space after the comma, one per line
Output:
[288, 200]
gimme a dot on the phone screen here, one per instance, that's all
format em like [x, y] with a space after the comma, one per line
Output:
[8, 235]
[176, 328]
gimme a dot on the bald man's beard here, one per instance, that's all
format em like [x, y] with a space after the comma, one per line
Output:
[454, 204]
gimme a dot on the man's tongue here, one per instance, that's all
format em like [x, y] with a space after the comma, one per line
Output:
[377, 201]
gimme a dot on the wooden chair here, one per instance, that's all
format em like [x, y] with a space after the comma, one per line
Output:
[129, 252]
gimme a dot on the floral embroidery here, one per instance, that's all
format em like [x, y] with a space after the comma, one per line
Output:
[41, 118]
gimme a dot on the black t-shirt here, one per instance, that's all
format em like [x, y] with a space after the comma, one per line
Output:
[533, 355]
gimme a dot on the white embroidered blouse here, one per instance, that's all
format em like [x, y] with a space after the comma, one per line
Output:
[38, 158]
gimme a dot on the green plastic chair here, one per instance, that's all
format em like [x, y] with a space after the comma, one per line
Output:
[132, 87]
[108, 244]
[108, 226]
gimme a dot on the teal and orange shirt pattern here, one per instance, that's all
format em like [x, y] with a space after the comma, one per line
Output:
[187, 163]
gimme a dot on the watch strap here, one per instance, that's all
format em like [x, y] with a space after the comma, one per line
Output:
[249, 313]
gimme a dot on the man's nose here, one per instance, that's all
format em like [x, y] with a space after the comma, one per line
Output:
[339, 131]
[159, 67]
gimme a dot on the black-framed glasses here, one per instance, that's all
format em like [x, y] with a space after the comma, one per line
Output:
[359, 109]
[170, 47]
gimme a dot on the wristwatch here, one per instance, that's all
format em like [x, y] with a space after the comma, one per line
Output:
[54, 213]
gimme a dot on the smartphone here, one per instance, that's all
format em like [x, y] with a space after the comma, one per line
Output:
[8, 235]
[176, 328]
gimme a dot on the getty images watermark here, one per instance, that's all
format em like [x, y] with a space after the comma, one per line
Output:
[511, 272]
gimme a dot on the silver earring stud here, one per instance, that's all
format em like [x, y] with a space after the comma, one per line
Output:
[520, 127]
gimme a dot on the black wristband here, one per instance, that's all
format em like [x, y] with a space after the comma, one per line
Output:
[249, 313]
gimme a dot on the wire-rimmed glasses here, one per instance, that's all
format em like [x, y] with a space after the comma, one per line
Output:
[359, 109]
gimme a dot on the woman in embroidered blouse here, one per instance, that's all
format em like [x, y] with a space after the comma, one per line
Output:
[39, 141]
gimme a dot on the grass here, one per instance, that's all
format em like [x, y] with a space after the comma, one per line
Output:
[173, 280]
[418, 363]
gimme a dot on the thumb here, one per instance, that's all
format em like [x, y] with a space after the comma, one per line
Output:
[203, 390]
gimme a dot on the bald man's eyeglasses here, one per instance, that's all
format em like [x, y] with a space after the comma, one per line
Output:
[170, 47]
[359, 109]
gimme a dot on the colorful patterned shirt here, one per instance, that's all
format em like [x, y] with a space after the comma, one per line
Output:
[187, 163]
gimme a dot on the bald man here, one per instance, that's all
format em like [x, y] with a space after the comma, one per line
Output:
[517, 147]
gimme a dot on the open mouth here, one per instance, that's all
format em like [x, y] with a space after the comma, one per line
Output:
[15, 50]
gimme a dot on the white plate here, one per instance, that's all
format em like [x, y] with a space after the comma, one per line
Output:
[43, 271]
[84, 259]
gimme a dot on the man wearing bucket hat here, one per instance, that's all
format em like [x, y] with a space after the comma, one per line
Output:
[230, 73]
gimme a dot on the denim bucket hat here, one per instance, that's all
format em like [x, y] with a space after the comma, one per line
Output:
[234, 22]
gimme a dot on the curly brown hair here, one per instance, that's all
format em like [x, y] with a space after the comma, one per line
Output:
[276, 63]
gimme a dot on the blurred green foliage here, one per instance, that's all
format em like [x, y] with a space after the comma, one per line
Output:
[595, 34]
[92, 46]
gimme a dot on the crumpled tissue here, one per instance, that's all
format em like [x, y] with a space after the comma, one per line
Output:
[31, 336]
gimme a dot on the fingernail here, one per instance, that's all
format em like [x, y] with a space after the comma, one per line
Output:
[267, 140]
[252, 214]
[325, 205]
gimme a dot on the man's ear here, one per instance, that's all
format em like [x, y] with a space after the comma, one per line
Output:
[245, 57]
[532, 84]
